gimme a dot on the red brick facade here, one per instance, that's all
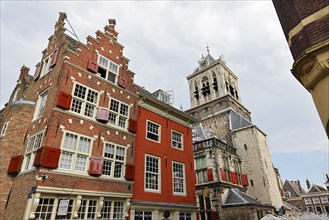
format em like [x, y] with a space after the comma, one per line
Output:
[72, 137]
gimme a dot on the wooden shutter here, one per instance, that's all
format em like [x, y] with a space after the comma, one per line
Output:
[213, 215]
[37, 71]
[130, 172]
[122, 82]
[245, 181]
[15, 164]
[64, 100]
[92, 66]
[96, 165]
[234, 179]
[132, 127]
[51, 157]
[102, 114]
[54, 57]
[223, 174]
[38, 157]
[210, 174]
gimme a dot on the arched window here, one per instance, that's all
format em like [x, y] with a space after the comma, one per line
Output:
[205, 86]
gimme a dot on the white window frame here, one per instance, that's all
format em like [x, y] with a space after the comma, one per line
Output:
[33, 144]
[114, 161]
[4, 129]
[158, 134]
[158, 174]
[143, 213]
[75, 153]
[185, 216]
[85, 206]
[46, 65]
[118, 115]
[324, 199]
[175, 143]
[316, 200]
[109, 66]
[308, 201]
[41, 105]
[82, 108]
[178, 178]
[201, 169]
[116, 207]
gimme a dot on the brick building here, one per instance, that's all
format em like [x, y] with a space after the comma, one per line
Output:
[215, 101]
[305, 24]
[164, 184]
[65, 138]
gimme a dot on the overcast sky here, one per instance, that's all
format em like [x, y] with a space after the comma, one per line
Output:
[165, 40]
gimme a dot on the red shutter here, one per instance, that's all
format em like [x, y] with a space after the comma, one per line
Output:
[234, 179]
[38, 157]
[15, 164]
[96, 165]
[54, 57]
[130, 172]
[245, 181]
[223, 174]
[64, 100]
[122, 82]
[92, 66]
[51, 157]
[213, 215]
[37, 71]
[102, 114]
[132, 127]
[210, 174]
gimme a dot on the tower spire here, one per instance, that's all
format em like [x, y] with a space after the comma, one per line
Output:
[207, 48]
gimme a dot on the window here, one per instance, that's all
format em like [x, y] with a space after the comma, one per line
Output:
[177, 140]
[184, 216]
[44, 209]
[69, 210]
[84, 101]
[153, 131]
[114, 160]
[112, 210]
[46, 66]
[316, 200]
[308, 201]
[4, 129]
[201, 169]
[41, 104]
[226, 166]
[287, 194]
[309, 209]
[143, 215]
[107, 69]
[33, 144]
[324, 199]
[178, 172]
[118, 114]
[152, 173]
[318, 210]
[87, 209]
[75, 152]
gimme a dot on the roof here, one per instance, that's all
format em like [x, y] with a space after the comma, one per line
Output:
[298, 190]
[317, 188]
[238, 198]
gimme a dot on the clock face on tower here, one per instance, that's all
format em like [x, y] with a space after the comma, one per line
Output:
[203, 64]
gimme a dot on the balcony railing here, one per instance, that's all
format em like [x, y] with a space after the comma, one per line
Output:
[212, 143]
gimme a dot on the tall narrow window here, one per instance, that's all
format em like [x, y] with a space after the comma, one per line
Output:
[153, 131]
[84, 101]
[87, 209]
[41, 104]
[177, 140]
[107, 69]
[152, 173]
[4, 129]
[33, 144]
[201, 169]
[118, 114]
[75, 152]
[112, 210]
[114, 160]
[178, 173]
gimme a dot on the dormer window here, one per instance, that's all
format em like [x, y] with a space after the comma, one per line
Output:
[107, 69]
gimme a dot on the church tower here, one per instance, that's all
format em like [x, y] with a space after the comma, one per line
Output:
[216, 103]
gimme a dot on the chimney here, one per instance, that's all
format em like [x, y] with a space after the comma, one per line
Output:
[327, 182]
[308, 184]
[24, 75]
[299, 187]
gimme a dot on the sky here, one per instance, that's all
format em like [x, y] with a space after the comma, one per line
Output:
[164, 41]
